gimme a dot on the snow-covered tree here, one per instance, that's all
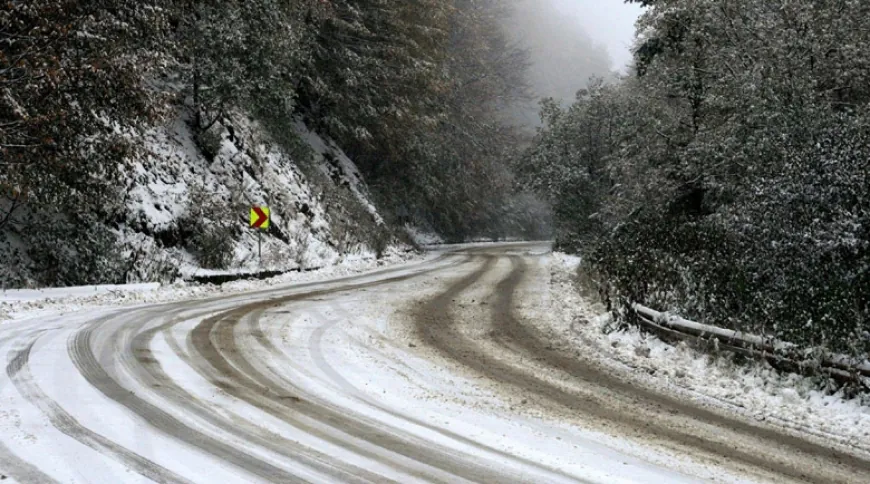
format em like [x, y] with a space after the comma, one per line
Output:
[243, 55]
[414, 90]
[71, 90]
[726, 177]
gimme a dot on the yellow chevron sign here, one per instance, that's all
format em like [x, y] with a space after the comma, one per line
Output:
[260, 217]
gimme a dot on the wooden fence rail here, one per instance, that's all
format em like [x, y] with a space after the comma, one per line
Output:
[779, 354]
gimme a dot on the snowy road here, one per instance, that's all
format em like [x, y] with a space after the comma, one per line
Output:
[430, 372]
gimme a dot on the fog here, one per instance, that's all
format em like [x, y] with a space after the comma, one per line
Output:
[608, 22]
[569, 41]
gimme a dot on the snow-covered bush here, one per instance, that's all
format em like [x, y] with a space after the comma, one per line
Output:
[727, 178]
[211, 225]
[146, 261]
[299, 249]
[67, 252]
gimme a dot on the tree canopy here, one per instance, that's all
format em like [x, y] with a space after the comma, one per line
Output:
[727, 176]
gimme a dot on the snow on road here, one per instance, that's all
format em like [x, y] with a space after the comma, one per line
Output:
[17, 295]
[419, 372]
[20, 304]
[361, 357]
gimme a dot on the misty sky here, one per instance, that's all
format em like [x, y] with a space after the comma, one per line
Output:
[569, 42]
[608, 22]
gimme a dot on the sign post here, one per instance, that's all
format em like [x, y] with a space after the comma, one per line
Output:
[260, 219]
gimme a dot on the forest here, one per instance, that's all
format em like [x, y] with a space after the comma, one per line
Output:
[418, 93]
[726, 178]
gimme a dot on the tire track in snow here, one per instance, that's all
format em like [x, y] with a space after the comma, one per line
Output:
[511, 331]
[215, 339]
[315, 348]
[21, 470]
[251, 432]
[18, 372]
[86, 361]
[437, 325]
[148, 371]
[89, 366]
[113, 335]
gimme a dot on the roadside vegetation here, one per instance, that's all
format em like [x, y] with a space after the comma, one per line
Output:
[417, 101]
[726, 178]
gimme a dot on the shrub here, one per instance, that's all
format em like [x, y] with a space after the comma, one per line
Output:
[73, 252]
[212, 222]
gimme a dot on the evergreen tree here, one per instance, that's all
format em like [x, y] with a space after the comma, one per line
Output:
[734, 168]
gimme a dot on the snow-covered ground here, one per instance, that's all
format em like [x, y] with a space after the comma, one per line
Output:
[54, 293]
[379, 376]
[363, 357]
[754, 390]
[184, 203]
[247, 170]
[21, 304]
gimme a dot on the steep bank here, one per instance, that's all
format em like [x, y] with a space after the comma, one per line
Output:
[186, 206]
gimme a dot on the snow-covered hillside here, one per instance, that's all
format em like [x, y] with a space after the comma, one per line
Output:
[188, 199]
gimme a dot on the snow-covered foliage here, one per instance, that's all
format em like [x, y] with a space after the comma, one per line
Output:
[98, 97]
[423, 238]
[184, 212]
[755, 390]
[726, 179]
[418, 103]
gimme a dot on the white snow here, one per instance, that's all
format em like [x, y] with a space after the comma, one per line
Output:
[356, 360]
[423, 238]
[26, 304]
[11, 295]
[786, 400]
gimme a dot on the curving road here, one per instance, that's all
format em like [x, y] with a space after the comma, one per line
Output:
[431, 372]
